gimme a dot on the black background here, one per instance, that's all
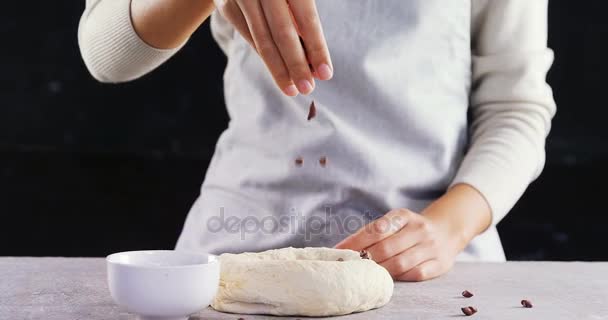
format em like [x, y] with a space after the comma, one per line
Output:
[88, 169]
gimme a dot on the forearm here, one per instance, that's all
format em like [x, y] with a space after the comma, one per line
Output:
[462, 212]
[511, 106]
[166, 24]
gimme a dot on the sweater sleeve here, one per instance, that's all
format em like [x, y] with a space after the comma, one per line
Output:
[110, 47]
[511, 103]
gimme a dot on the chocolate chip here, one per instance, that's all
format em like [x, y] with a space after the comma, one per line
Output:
[340, 259]
[467, 294]
[312, 111]
[299, 161]
[323, 161]
[241, 319]
[469, 311]
[365, 255]
[526, 304]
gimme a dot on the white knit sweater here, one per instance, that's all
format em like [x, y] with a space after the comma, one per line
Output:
[419, 65]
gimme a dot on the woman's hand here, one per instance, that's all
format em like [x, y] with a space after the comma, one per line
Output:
[416, 247]
[410, 246]
[273, 28]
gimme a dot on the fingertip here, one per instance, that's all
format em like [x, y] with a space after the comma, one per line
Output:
[340, 245]
[305, 87]
[347, 243]
[291, 90]
[381, 226]
[325, 72]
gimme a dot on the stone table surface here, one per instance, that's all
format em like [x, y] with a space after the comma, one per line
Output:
[75, 288]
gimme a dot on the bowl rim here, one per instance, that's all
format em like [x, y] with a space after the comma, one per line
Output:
[212, 259]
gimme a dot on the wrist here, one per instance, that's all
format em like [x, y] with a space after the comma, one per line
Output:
[457, 235]
[461, 213]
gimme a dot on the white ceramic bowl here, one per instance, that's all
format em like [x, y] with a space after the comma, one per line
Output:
[163, 285]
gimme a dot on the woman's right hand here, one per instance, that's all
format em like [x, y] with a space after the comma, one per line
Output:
[274, 28]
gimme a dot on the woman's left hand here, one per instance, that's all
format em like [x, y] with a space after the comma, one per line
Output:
[409, 245]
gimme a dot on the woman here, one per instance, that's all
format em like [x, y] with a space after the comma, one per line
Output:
[390, 145]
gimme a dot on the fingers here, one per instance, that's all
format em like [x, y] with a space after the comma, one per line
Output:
[407, 237]
[425, 271]
[407, 260]
[377, 230]
[264, 44]
[232, 12]
[310, 28]
[287, 41]
[288, 37]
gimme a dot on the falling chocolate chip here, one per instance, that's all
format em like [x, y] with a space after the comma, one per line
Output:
[323, 161]
[467, 294]
[312, 111]
[340, 259]
[526, 304]
[299, 161]
[365, 255]
[469, 311]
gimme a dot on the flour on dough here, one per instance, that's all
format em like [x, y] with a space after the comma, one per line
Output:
[303, 282]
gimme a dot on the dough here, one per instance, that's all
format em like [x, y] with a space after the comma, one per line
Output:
[303, 282]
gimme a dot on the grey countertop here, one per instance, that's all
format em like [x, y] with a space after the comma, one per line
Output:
[75, 288]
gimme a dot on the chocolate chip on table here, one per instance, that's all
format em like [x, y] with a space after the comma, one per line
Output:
[526, 304]
[365, 255]
[299, 161]
[323, 161]
[467, 294]
[312, 111]
[340, 259]
[469, 311]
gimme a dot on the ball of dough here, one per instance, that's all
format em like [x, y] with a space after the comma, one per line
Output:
[304, 282]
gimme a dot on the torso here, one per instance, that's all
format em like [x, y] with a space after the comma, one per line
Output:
[392, 124]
